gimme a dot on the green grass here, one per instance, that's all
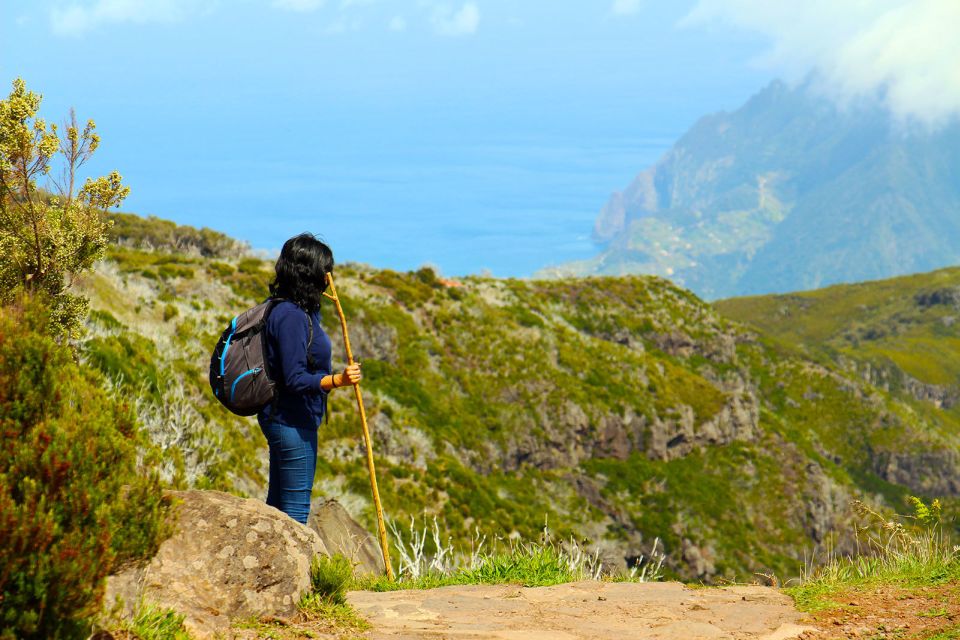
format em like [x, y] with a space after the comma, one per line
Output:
[527, 565]
[338, 614]
[905, 552]
[522, 563]
[330, 577]
[152, 622]
[884, 322]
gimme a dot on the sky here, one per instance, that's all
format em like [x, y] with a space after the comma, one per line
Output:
[477, 136]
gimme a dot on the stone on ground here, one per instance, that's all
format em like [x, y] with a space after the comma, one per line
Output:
[230, 558]
[341, 534]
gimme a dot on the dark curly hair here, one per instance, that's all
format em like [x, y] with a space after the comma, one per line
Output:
[301, 271]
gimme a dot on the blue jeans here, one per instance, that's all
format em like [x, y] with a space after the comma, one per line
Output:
[293, 463]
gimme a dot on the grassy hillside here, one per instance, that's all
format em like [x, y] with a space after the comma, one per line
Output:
[621, 410]
[901, 334]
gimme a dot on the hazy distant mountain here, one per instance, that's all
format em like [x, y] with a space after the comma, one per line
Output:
[788, 192]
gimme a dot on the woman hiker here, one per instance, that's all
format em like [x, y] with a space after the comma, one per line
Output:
[298, 354]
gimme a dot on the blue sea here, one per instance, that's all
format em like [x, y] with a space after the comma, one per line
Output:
[396, 195]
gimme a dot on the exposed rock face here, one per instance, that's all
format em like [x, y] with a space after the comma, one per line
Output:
[568, 436]
[229, 558]
[341, 534]
[370, 341]
[673, 438]
[949, 296]
[934, 473]
[892, 378]
[825, 510]
[939, 396]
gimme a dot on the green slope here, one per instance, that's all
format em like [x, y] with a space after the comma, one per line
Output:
[901, 333]
[622, 410]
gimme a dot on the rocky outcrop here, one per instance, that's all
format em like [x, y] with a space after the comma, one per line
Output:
[567, 435]
[675, 437]
[370, 340]
[940, 396]
[934, 473]
[341, 534]
[891, 378]
[948, 296]
[229, 558]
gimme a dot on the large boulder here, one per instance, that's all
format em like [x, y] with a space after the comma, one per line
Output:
[341, 534]
[229, 558]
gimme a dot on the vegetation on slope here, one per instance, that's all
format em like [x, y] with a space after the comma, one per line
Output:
[74, 503]
[902, 584]
[78, 498]
[900, 334]
[621, 409]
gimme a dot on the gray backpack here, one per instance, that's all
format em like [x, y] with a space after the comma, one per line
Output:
[239, 372]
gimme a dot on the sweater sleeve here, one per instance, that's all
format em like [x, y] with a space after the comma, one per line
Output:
[292, 334]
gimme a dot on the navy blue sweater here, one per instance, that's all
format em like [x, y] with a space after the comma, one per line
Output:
[302, 401]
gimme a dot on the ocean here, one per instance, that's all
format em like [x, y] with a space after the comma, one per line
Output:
[399, 198]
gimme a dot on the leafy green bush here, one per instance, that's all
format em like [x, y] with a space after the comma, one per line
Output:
[128, 356]
[168, 271]
[73, 504]
[47, 238]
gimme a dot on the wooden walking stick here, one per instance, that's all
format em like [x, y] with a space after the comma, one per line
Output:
[382, 530]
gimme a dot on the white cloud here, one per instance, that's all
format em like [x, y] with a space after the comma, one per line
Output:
[461, 22]
[625, 7]
[77, 18]
[905, 51]
[397, 23]
[298, 5]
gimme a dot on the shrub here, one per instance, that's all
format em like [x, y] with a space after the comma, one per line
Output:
[153, 233]
[129, 357]
[73, 505]
[47, 238]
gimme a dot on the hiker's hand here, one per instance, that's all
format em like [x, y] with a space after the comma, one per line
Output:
[352, 374]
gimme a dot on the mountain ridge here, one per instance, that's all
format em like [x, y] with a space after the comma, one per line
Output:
[787, 192]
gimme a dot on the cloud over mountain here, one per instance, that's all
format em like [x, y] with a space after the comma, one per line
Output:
[903, 51]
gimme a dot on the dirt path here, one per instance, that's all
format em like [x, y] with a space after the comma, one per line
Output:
[594, 610]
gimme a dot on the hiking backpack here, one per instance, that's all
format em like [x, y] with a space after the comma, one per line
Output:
[239, 373]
